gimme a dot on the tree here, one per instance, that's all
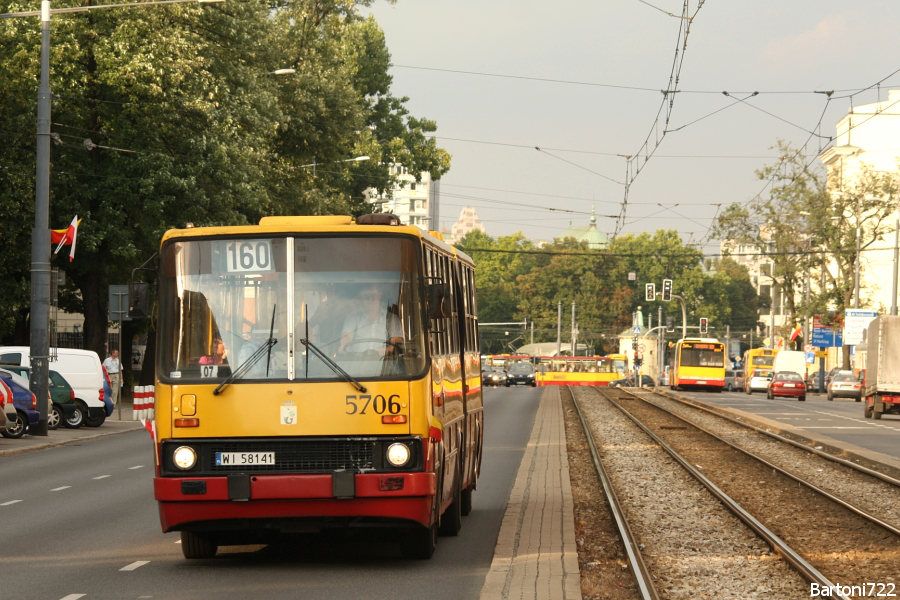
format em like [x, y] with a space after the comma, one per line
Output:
[187, 124]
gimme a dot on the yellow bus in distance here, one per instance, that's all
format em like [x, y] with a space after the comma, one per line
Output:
[698, 363]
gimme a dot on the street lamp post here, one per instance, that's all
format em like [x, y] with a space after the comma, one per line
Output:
[40, 236]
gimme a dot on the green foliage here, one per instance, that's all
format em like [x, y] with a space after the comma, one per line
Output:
[190, 125]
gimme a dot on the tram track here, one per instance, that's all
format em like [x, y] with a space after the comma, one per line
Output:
[692, 546]
[828, 539]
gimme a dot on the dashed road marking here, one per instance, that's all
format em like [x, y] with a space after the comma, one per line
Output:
[10, 502]
[178, 542]
[135, 565]
[103, 477]
[73, 596]
[65, 487]
[137, 467]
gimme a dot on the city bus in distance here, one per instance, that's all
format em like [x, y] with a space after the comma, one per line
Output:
[579, 370]
[698, 363]
[315, 373]
[758, 358]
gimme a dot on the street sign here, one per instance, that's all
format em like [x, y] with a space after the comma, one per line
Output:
[826, 337]
[118, 303]
[641, 348]
[810, 358]
[808, 348]
[855, 322]
[637, 331]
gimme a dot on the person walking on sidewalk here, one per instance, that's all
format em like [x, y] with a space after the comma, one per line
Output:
[114, 368]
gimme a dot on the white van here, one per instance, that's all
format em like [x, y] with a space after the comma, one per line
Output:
[81, 368]
[790, 360]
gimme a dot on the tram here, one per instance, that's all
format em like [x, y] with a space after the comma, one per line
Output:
[315, 373]
[698, 363]
[504, 360]
[580, 370]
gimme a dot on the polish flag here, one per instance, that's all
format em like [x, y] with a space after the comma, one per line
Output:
[795, 334]
[66, 237]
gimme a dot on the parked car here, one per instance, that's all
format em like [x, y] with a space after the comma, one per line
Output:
[845, 385]
[646, 381]
[81, 368]
[5, 397]
[24, 411]
[812, 382]
[63, 408]
[787, 383]
[520, 373]
[758, 381]
[734, 380]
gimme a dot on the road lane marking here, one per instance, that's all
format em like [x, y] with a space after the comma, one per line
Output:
[178, 542]
[135, 565]
[65, 487]
[10, 502]
[73, 596]
[103, 477]
[137, 467]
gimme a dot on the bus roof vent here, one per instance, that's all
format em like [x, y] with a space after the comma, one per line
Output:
[378, 219]
[305, 221]
[437, 234]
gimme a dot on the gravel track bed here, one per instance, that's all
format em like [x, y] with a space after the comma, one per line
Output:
[693, 545]
[602, 561]
[877, 497]
[843, 546]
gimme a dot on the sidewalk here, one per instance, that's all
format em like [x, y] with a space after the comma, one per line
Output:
[111, 426]
[536, 555]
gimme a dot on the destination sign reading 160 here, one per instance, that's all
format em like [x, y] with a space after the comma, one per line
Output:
[249, 256]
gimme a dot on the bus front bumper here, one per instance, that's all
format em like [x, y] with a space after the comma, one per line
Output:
[184, 501]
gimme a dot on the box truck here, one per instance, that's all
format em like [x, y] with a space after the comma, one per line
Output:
[790, 360]
[882, 376]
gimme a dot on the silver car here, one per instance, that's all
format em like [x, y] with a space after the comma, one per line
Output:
[845, 385]
[758, 381]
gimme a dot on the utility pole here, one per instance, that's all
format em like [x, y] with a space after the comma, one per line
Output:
[574, 336]
[558, 327]
[660, 348]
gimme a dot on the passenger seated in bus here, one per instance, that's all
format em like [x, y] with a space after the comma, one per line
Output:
[218, 355]
[372, 328]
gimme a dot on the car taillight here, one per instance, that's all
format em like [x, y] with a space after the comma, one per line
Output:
[101, 395]
[777, 384]
[33, 401]
[72, 394]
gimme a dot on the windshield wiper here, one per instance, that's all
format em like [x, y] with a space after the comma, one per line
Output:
[266, 349]
[333, 365]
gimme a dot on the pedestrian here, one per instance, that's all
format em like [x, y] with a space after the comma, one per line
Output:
[114, 369]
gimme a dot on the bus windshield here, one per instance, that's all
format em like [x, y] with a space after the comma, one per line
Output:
[356, 299]
[702, 355]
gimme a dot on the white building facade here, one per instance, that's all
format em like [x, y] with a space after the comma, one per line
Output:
[869, 134]
[414, 202]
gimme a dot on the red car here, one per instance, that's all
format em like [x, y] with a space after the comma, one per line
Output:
[787, 383]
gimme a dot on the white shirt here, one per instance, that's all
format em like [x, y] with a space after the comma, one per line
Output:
[112, 365]
[375, 333]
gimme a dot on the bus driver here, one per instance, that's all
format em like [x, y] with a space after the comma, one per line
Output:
[372, 327]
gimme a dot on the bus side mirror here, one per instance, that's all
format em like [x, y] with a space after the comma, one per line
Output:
[438, 300]
[139, 293]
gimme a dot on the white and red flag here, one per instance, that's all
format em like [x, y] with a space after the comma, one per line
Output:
[65, 237]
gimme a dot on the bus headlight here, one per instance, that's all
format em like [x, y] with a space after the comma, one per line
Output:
[398, 454]
[184, 457]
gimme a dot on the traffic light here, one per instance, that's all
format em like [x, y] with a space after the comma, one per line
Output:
[704, 325]
[667, 290]
[650, 294]
[670, 324]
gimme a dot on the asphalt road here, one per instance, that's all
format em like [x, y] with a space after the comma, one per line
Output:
[79, 521]
[841, 419]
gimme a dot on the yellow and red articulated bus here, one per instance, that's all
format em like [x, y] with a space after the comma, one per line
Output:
[315, 373]
[698, 363]
[580, 370]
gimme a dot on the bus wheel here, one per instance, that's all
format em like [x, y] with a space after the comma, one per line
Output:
[419, 542]
[466, 505]
[451, 520]
[194, 545]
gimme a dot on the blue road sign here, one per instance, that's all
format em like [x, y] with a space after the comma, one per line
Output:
[637, 331]
[825, 337]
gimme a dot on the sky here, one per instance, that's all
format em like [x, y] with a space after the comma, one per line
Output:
[582, 80]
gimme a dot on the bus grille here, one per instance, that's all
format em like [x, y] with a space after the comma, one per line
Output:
[311, 456]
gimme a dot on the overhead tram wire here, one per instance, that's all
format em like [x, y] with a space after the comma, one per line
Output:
[633, 166]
